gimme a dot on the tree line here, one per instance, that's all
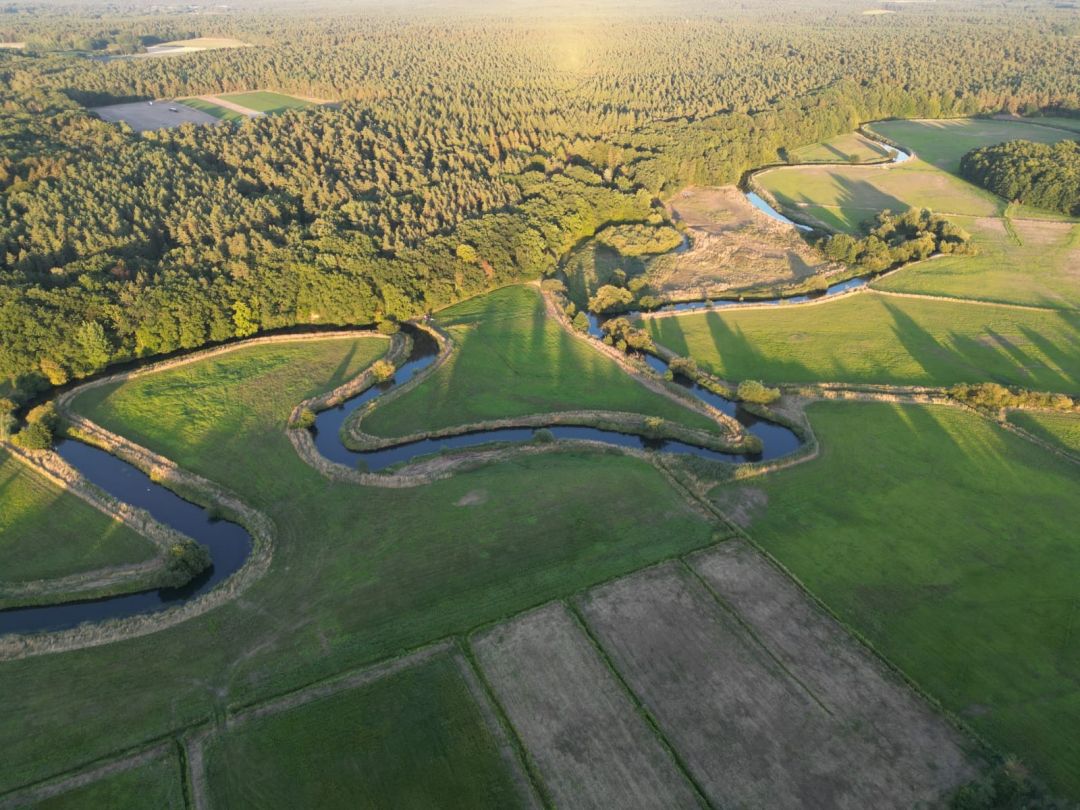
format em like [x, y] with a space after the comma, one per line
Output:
[1037, 174]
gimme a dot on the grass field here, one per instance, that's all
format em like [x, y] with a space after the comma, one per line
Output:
[943, 143]
[875, 338]
[46, 532]
[265, 101]
[215, 110]
[947, 543]
[513, 360]
[1061, 123]
[1037, 263]
[158, 784]
[851, 147]
[1058, 428]
[416, 736]
[358, 574]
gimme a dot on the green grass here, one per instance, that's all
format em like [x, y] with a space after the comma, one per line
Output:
[1058, 428]
[413, 739]
[215, 110]
[943, 143]
[950, 544]
[157, 784]
[358, 574]
[513, 360]
[46, 532]
[266, 102]
[1039, 264]
[1061, 123]
[874, 338]
[840, 149]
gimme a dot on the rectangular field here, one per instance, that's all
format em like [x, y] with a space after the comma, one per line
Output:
[216, 110]
[162, 114]
[749, 732]
[416, 735]
[590, 745]
[158, 784]
[265, 101]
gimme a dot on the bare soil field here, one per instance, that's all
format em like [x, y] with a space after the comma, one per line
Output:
[748, 730]
[919, 756]
[142, 116]
[583, 733]
[734, 247]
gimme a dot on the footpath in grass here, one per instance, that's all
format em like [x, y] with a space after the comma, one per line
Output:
[158, 784]
[1062, 429]
[514, 360]
[46, 532]
[1019, 261]
[415, 739]
[951, 545]
[358, 574]
[873, 338]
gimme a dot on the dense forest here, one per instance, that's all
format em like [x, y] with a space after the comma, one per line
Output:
[1043, 175]
[459, 154]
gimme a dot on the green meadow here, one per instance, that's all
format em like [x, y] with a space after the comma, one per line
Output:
[874, 338]
[514, 360]
[358, 574]
[850, 147]
[416, 735]
[215, 110]
[158, 784]
[1062, 429]
[46, 532]
[266, 102]
[940, 538]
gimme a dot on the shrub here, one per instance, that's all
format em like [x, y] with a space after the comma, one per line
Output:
[755, 391]
[305, 420]
[609, 298]
[388, 327]
[34, 437]
[581, 322]
[686, 366]
[543, 436]
[44, 415]
[653, 424]
[186, 560]
[382, 370]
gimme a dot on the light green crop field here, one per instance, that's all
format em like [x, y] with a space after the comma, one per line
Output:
[947, 543]
[215, 110]
[416, 736]
[844, 197]
[943, 143]
[868, 337]
[1072, 124]
[46, 532]
[840, 149]
[1037, 263]
[513, 360]
[266, 102]
[157, 784]
[358, 574]
[1058, 428]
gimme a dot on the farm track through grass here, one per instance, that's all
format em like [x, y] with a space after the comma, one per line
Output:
[942, 540]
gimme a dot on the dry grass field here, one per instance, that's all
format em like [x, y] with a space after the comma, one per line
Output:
[734, 247]
[751, 732]
[581, 730]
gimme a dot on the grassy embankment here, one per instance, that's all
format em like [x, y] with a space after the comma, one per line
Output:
[358, 574]
[415, 736]
[513, 360]
[46, 532]
[870, 338]
[1062, 429]
[950, 545]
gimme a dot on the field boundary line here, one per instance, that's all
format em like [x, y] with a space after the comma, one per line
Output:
[525, 770]
[639, 706]
[38, 792]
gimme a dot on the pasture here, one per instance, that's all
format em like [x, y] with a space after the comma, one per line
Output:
[734, 247]
[750, 732]
[1062, 429]
[158, 783]
[940, 538]
[848, 148]
[1019, 261]
[515, 360]
[589, 744]
[416, 735]
[358, 574]
[264, 101]
[46, 532]
[876, 338]
[207, 105]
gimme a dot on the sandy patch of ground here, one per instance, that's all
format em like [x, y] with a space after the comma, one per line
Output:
[589, 744]
[142, 116]
[12, 45]
[733, 247]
